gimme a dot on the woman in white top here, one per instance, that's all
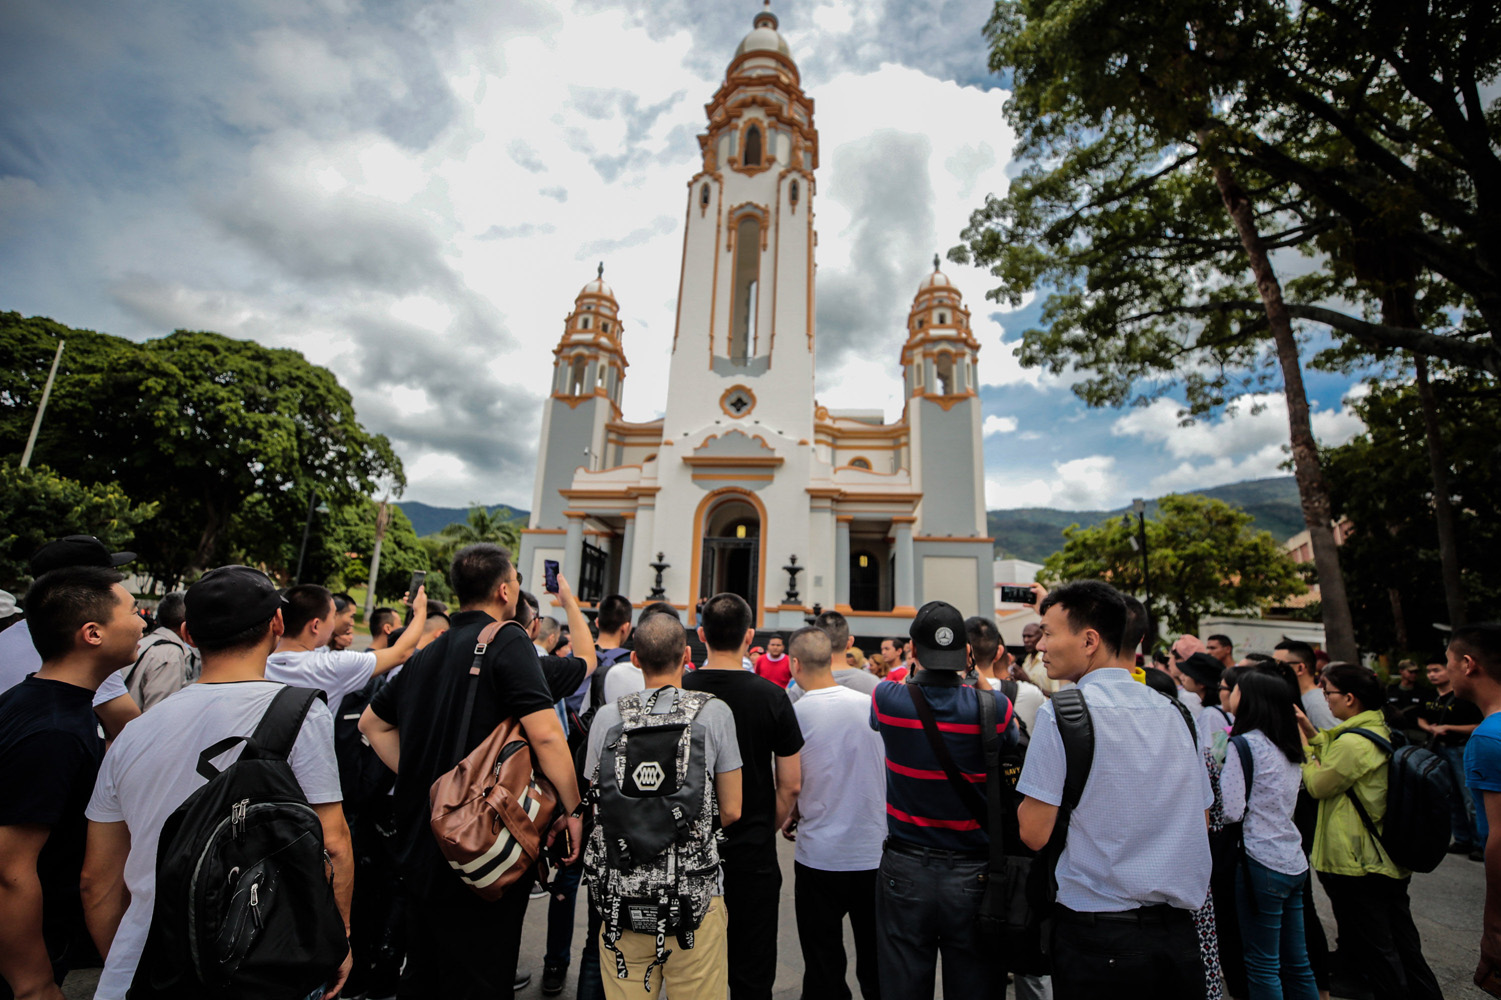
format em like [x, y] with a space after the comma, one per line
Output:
[1269, 885]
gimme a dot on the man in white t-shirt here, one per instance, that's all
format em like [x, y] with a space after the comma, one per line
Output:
[839, 822]
[234, 617]
[19, 658]
[303, 658]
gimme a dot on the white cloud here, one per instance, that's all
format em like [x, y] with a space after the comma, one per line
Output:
[995, 424]
[1088, 483]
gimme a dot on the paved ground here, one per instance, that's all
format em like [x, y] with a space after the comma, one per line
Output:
[1446, 906]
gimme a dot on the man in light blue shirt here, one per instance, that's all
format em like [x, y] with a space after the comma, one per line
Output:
[1136, 859]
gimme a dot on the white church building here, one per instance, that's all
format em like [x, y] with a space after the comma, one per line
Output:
[745, 470]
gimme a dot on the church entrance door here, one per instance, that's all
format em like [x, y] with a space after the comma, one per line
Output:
[731, 553]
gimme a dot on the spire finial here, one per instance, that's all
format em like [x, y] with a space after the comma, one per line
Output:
[935, 262]
[601, 271]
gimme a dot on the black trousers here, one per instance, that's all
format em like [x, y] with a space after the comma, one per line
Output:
[1378, 937]
[752, 893]
[823, 900]
[460, 947]
[1155, 957]
[377, 930]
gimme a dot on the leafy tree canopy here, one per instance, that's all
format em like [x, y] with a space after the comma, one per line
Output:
[226, 435]
[481, 525]
[1202, 555]
[40, 505]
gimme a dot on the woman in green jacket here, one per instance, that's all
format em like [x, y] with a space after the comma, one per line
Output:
[1368, 891]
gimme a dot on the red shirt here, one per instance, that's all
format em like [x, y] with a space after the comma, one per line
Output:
[898, 675]
[778, 671]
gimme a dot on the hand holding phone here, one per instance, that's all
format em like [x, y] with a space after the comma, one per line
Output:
[550, 575]
[1017, 595]
[415, 585]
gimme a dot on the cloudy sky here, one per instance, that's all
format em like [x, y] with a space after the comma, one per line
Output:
[413, 193]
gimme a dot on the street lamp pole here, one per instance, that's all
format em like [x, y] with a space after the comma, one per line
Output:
[1139, 507]
[307, 529]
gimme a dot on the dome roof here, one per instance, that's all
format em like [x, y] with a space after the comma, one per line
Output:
[598, 286]
[764, 37]
[937, 279]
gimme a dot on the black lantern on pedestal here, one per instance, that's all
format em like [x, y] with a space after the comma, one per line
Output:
[657, 593]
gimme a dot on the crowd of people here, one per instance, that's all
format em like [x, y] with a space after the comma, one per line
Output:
[229, 799]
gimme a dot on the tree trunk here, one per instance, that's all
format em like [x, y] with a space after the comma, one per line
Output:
[208, 539]
[1443, 507]
[1399, 623]
[1339, 627]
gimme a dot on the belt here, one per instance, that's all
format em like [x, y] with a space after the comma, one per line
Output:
[1158, 913]
[910, 849]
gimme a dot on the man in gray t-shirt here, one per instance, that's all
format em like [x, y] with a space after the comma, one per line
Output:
[834, 625]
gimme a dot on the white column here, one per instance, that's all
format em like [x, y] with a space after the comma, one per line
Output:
[842, 560]
[627, 553]
[905, 592]
[573, 547]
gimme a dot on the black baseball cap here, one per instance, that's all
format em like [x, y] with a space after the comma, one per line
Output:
[228, 600]
[76, 550]
[938, 633]
[1203, 668]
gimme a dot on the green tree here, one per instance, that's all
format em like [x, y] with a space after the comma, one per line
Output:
[343, 541]
[481, 525]
[40, 505]
[1202, 555]
[229, 437]
[1382, 482]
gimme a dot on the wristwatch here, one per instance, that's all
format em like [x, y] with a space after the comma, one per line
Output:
[578, 811]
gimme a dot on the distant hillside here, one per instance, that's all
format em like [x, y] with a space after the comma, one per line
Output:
[1034, 533]
[427, 519]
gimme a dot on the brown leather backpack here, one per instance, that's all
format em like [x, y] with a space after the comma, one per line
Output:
[491, 813]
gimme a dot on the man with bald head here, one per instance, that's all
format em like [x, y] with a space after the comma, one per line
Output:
[838, 823]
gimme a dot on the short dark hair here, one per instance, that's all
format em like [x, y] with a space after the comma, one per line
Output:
[1267, 705]
[381, 617]
[342, 602]
[172, 610]
[547, 627]
[241, 640]
[812, 647]
[837, 628]
[305, 602]
[1482, 641]
[527, 609]
[1261, 657]
[1090, 604]
[725, 620]
[1358, 681]
[614, 612]
[1223, 640]
[659, 642]
[897, 641]
[62, 601]
[1162, 684]
[984, 639]
[1302, 652]
[1136, 624]
[658, 608]
[477, 570]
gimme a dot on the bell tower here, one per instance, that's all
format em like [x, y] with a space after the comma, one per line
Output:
[943, 410]
[744, 330]
[588, 370]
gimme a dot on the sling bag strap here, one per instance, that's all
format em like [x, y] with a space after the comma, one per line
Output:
[130, 674]
[482, 642]
[990, 748]
[972, 799]
[1365, 817]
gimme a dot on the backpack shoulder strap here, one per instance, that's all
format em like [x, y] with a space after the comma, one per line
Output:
[1365, 817]
[1077, 731]
[972, 799]
[1188, 720]
[131, 673]
[1384, 744]
[278, 728]
[1247, 764]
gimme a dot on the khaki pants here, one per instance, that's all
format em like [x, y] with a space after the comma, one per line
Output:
[697, 973]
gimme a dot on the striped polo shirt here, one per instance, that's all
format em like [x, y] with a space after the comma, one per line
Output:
[921, 806]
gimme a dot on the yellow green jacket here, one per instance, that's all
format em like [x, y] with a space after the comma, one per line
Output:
[1341, 843]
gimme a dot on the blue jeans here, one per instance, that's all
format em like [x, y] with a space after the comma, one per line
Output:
[1462, 808]
[1270, 905]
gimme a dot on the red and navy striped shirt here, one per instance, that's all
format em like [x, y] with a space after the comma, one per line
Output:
[921, 806]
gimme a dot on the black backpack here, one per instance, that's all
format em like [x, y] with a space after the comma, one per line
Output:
[363, 777]
[244, 898]
[1418, 792]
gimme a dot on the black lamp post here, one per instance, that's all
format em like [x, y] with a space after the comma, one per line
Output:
[657, 592]
[307, 529]
[1139, 543]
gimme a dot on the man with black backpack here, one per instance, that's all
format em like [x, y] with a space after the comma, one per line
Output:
[249, 892]
[1116, 799]
[665, 769]
[936, 862]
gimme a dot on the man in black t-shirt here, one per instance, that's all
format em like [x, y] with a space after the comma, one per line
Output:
[84, 626]
[1449, 721]
[771, 776]
[459, 946]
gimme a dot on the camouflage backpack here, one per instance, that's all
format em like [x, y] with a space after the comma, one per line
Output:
[652, 859]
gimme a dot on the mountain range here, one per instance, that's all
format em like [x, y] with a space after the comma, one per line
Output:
[1030, 533]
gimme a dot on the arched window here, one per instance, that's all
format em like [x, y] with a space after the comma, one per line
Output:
[860, 463]
[576, 377]
[747, 280]
[944, 368]
[604, 325]
[752, 156]
[943, 318]
[793, 191]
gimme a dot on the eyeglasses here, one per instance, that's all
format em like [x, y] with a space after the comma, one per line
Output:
[1331, 691]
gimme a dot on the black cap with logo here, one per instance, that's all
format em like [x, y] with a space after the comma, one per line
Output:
[76, 550]
[228, 600]
[938, 634]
